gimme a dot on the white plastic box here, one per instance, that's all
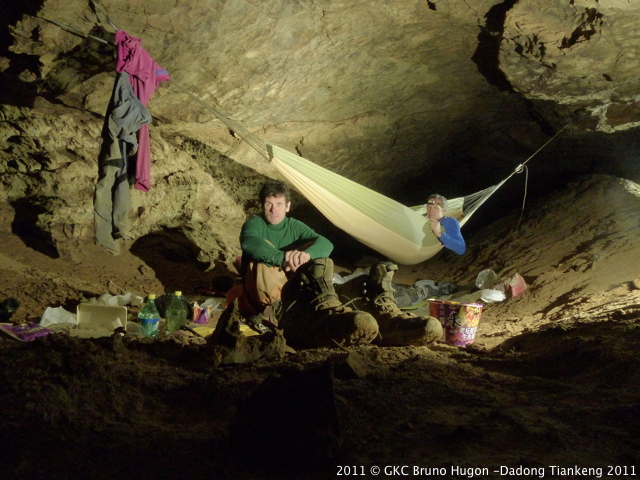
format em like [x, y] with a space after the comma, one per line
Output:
[98, 320]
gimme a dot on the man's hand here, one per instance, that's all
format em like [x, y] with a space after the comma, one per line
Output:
[435, 228]
[294, 258]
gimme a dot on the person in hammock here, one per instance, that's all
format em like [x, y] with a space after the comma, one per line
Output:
[447, 229]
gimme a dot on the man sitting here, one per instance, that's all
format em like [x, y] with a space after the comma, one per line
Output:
[285, 265]
[272, 245]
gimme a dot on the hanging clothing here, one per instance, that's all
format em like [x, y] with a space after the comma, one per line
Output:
[145, 75]
[125, 116]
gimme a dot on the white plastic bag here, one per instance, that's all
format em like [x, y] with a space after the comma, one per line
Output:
[491, 296]
[486, 279]
[116, 300]
[54, 316]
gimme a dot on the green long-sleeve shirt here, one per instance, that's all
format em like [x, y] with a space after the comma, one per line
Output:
[267, 244]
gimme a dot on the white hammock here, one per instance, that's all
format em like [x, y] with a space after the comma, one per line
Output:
[400, 233]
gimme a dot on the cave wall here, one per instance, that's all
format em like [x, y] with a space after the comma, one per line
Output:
[394, 95]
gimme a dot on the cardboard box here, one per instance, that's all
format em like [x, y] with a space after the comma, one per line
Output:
[459, 320]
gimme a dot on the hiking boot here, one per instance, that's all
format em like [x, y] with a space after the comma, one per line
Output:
[396, 327]
[313, 317]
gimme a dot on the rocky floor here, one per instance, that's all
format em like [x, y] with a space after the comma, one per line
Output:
[551, 383]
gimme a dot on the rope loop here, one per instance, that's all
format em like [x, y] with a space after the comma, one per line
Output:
[524, 198]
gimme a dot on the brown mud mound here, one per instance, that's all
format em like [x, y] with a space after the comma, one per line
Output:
[552, 379]
[112, 409]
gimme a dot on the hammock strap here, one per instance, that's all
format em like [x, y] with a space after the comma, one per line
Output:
[258, 145]
[73, 30]
[102, 10]
[475, 200]
[519, 167]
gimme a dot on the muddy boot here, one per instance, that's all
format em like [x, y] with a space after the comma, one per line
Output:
[396, 327]
[313, 317]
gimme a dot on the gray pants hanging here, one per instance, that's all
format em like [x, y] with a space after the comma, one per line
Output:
[112, 200]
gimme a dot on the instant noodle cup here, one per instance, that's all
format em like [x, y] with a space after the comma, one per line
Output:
[459, 320]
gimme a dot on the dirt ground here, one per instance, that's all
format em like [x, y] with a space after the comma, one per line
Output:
[550, 386]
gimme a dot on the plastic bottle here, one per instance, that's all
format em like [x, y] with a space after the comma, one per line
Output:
[176, 313]
[149, 317]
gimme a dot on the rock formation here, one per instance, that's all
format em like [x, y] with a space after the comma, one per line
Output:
[402, 97]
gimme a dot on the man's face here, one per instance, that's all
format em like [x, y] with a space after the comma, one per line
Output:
[434, 209]
[275, 209]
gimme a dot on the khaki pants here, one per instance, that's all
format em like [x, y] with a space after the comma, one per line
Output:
[262, 285]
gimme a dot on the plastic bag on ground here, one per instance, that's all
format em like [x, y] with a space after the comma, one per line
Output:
[486, 279]
[491, 296]
[426, 283]
[117, 300]
[202, 312]
[54, 316]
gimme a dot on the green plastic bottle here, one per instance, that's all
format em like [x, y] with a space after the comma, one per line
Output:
[176, 313]
[149, 317]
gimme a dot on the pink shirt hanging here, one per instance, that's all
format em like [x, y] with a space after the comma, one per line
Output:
[144, 75]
